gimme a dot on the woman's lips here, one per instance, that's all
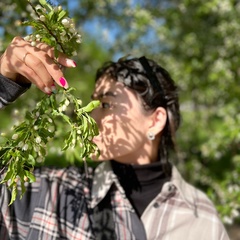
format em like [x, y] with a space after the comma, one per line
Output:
[96, 139]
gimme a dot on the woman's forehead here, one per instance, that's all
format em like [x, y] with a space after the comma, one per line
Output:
[107, 87]
[107, 84]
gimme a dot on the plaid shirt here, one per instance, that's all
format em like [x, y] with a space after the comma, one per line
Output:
[59, 206]
[179, 211]
[53, 207]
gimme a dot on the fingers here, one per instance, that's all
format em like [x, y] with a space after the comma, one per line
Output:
[45, 65]
[43, 71]
[38, 74]
[37, 64]
[62, 59]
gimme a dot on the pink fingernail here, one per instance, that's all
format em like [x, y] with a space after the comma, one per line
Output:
[75, 64]
[71, 62]
[63, 82]
[47, 91]
[53, 88]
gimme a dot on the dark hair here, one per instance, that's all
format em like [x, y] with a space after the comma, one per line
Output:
[156, 88]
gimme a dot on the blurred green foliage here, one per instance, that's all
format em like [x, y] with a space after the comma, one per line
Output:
[197, 42]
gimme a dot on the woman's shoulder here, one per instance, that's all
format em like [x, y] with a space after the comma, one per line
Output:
[193, 196]
[70, 176]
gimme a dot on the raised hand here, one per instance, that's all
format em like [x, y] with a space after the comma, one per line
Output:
[24, 63]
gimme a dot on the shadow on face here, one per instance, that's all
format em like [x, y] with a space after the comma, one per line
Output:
[122, 122]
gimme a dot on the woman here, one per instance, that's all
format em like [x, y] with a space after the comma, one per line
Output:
[135, 193]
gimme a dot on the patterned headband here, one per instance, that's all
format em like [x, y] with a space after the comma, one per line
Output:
[151, 76]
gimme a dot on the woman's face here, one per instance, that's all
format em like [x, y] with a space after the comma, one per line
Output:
[123, 123]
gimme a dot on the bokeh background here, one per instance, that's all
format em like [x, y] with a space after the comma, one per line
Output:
[197, 41]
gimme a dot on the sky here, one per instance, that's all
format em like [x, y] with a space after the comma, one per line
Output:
[94, 27]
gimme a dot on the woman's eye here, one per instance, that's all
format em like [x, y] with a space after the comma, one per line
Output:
[105, 105]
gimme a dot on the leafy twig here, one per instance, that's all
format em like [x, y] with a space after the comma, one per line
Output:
[28, 145]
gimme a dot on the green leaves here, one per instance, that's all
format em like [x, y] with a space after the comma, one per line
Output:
[53, 27]
[29, 143]
[90, 106]
[43, 2]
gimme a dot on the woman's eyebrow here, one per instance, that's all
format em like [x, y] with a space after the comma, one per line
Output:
[101, 95]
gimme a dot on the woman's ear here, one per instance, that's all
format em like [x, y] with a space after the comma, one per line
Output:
[158, 120]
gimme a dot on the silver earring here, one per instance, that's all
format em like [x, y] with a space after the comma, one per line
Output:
[151, 136]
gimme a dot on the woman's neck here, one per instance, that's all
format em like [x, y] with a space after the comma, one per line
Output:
[145, 155]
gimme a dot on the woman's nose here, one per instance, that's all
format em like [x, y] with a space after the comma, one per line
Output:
[95, 115]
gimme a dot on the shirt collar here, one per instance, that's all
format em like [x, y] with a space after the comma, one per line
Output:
[186, 191]
[104, 177]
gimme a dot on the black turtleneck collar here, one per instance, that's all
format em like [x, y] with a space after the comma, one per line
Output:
[141, 183]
